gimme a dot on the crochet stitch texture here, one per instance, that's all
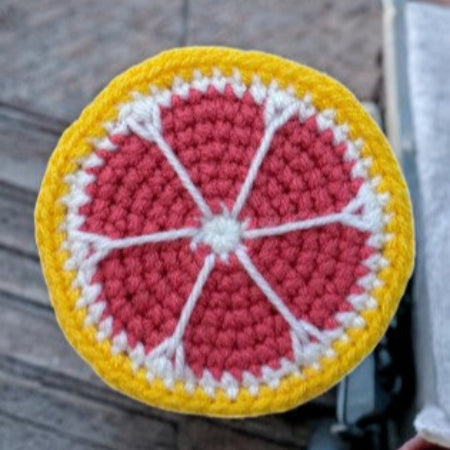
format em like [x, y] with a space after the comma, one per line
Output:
[224, 235]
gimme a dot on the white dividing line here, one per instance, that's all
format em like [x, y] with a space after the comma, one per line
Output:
[344, 218]
[355, 214]
[149, 132]
[104, 243]
[260, 154]
[301, 328]
[170, 345]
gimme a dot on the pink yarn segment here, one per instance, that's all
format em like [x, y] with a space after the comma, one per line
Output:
[233, 328]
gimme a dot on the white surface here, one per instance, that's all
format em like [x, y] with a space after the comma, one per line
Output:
[429, 68]
[432, 424]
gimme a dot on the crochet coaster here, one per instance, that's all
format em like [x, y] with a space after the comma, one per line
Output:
[224, 232]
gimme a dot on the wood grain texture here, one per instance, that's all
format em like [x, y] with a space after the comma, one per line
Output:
[18, 434]
[342, 38]
[55, 56]
[66, 415]
[27, 140]
[79, 418]
[192, 434]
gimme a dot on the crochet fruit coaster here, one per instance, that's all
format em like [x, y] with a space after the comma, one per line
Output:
[224, 232]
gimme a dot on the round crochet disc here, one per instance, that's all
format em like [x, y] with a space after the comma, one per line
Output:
[224, 232]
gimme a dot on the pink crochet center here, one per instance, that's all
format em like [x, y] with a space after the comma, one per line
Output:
[233, 327]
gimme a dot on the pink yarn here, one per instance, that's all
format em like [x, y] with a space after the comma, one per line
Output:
[233, 327]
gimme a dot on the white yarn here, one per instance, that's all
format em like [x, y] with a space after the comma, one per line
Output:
[275, 120]
[107, 244]
[301, 328]
[224, 234]
[151, 132]
[344, 218]
[170, 345]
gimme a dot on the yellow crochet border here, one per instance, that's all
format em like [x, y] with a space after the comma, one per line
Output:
[160, 71]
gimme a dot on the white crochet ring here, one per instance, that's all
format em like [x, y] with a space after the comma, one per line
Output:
[224, 232]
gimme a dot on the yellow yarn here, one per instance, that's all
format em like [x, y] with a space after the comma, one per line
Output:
[160, 71]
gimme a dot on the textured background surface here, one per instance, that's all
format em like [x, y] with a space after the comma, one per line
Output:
[54, 58]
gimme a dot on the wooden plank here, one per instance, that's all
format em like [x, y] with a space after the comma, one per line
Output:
[26, 142]
[341, 38]
[21, 272]
[21, 275]
[32, 334]
[195, 434]
[290, 428]
[78, 418]
[95, 392]
[284, 430]
[70, 50]
[16, 219]
[18, 434]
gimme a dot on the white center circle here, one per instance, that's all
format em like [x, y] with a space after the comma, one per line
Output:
[222, 233]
